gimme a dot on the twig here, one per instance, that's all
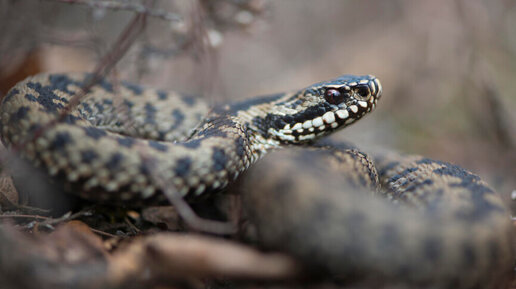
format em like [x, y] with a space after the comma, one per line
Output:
[183, 208]
[47, 219]
[102, 233]
[500, 125]
[176, 256]
[123, 43]
[131, 225]
[138, 8]
[69, 216]
[191, 218]
[10, 206]
[24, 217]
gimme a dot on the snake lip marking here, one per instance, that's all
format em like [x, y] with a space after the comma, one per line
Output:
[325, 107]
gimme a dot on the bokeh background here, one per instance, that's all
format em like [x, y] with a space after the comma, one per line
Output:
[448, 67]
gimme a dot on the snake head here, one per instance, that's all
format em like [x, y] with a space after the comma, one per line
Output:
[323, 108]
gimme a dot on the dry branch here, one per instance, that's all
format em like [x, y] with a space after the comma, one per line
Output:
[195, 256]
[74, 256]
[133, 7]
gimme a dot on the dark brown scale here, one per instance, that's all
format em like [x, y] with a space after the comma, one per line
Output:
[345, 231]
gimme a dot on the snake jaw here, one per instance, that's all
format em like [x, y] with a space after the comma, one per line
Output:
[326, 107]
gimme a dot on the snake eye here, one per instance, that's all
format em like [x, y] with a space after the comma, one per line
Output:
[362, 91]
[333, 96]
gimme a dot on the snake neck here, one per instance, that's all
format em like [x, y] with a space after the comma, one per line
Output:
[254, 115]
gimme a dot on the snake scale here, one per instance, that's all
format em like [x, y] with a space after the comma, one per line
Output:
[405, 219]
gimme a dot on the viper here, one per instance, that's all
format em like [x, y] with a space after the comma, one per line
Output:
[123, 143]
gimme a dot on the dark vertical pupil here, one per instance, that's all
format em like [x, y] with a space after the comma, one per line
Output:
[333, 96]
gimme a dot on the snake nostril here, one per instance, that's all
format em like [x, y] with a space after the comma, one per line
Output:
[363, 91]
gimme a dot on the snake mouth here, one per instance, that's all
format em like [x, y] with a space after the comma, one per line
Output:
[328, 116]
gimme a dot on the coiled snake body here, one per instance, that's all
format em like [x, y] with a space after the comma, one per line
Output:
[124, 143]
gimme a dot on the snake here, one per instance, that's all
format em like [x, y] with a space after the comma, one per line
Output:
[402, 219]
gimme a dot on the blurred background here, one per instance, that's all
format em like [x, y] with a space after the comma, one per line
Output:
[448, 67]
